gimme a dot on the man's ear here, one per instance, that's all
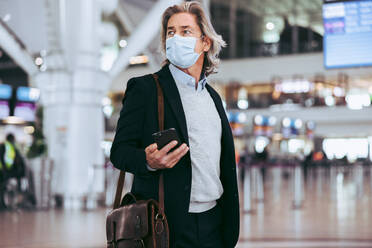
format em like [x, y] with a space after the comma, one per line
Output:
[207, 43]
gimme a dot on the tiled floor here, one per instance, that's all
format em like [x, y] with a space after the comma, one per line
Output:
[337, 212]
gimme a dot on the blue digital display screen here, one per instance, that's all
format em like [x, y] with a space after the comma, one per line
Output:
[5, 91]
[347, 33]
[27, 94]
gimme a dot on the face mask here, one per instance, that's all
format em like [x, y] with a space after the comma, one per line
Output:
[180, 51]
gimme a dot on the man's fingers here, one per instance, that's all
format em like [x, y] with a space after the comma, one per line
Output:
[178, 153]
[168, 147]
[163, 158]
[177, 157]
[151, 148]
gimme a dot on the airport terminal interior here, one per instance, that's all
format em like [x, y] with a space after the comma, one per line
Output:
[296, 83]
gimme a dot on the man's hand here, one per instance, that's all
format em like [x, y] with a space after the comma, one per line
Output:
[161, 159]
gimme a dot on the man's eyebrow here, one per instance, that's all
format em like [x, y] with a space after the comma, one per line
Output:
[183, 27]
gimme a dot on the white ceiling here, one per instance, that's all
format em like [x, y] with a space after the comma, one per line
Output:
[28, 21]
[28, 18]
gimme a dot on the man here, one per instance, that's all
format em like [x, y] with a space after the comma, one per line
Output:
[11, 165]
[11, 161]
[200, 185]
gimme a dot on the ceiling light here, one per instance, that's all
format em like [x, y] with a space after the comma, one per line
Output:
[123, 43]
[261, 143]
[108, 110]
[330, 101]
[298, 124]
[243, 104]
[270, 26]
[258, 120]
[38, 61]
[106, 101]
[286, 122]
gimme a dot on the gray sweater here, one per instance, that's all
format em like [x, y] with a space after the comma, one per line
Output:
[204, 131]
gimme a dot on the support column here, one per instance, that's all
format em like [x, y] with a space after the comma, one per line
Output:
[72, 89]
[88, 85]
[295, 39]
[55, 87]
[247, 34]
[295, 27]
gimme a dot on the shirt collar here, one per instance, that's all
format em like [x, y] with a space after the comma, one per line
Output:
[185, 79]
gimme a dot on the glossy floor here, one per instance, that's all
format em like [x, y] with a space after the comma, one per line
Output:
[336, 211]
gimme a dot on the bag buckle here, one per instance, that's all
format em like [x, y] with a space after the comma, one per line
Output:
[159, 216]
[141, 243]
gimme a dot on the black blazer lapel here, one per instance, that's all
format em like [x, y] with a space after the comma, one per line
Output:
[172, 95]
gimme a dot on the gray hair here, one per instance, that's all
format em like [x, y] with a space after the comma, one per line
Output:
[211, 60]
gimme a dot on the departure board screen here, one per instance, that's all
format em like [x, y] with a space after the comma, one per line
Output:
[25, 110]
[4, 109]
[347, 33]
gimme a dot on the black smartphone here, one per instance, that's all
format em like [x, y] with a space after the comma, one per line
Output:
[162, 138]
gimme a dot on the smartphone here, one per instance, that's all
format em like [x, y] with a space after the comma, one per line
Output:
[164, 137]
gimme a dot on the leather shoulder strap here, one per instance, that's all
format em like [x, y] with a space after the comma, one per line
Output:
[120, 185]
[119, 189]
[160, 103]
[161, 128]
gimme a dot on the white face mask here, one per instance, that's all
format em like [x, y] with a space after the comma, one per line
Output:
[180, 51]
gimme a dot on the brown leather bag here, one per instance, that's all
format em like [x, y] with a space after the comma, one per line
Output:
[139, 223]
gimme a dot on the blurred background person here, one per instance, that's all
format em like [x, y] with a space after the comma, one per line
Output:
[11, 160]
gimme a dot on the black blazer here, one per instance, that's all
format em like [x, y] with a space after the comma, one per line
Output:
[139, 120]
